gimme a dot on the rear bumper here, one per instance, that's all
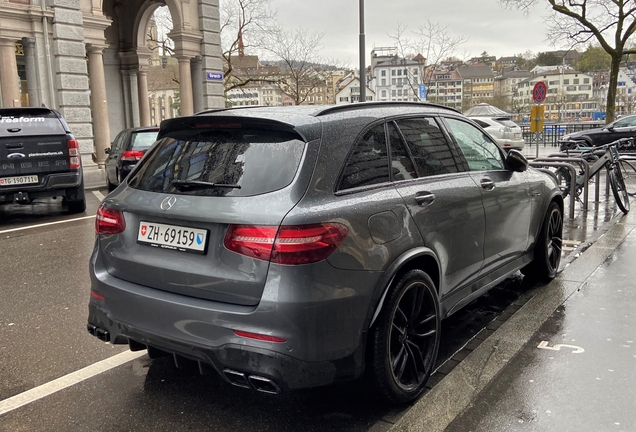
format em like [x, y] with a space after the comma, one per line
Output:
[517, 144]
[52, 185]
[325, 337]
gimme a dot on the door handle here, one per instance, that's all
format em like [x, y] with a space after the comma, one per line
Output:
[487, 184]
[424, 198]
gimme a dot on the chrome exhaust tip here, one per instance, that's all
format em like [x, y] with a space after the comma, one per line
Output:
[236, 378]
[263, 384]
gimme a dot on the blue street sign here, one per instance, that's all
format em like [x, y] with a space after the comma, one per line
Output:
[422, 91]
[215, 76]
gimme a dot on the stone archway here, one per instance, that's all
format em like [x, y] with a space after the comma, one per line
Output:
[86, 59]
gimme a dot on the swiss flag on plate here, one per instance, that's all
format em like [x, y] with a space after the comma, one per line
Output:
[143, 230]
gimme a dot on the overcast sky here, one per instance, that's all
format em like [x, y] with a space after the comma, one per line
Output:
[487, 25]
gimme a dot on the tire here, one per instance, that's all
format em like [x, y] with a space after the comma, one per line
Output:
[628, 172]
[547, 252]
[75, 200]
[618, 189]
[405, 338]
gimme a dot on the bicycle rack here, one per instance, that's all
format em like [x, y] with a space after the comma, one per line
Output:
[585, 166]
[572, 170]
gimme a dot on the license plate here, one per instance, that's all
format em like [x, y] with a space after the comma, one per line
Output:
[178, 238]
[517, 135]
[20, 180]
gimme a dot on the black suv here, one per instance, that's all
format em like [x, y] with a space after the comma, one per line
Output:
[39, 158]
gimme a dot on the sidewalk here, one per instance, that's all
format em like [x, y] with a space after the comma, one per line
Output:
[566, 361]
[94, 178]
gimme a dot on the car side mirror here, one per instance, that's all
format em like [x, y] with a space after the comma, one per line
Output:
[107, 150]
[515, 161]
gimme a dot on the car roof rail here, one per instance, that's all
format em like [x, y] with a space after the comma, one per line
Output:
[377, 104]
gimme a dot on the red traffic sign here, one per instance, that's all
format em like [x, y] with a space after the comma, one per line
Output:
[539, 92]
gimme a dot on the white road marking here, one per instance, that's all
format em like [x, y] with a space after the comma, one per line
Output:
[99, 195]
[557, 347]
[66, 381]
[46, 224]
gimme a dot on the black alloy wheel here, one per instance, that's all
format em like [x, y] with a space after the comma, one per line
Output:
[406, 337]
[549, 247]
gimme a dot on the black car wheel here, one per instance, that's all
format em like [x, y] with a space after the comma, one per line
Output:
[406, 338]
[547, 253]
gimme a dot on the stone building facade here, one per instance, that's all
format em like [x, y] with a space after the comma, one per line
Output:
[89, 60]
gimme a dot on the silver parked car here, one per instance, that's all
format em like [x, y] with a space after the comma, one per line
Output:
[507, 133]
[291, 247]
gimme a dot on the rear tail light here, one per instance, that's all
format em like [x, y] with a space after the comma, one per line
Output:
[109, 221]
[132, 155]
[73, 154]
[290, 245]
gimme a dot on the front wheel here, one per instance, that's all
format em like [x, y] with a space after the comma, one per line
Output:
[547, 252]
[405, 338]
[618, 189]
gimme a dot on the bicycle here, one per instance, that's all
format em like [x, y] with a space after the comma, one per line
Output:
[621, 172]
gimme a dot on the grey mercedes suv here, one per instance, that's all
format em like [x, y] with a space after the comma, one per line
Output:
[291, 247]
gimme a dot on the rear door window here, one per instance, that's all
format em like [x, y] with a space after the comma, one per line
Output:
[427, 146]
[240, 162]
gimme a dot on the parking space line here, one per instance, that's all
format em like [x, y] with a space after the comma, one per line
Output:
[99, 195]
[46, 224]
[66, 381]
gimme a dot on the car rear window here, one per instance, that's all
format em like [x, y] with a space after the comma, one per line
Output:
[258, 160]
[143, 140]
[29, 122]
[506, 122]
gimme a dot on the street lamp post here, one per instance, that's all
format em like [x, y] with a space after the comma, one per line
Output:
[363, 80]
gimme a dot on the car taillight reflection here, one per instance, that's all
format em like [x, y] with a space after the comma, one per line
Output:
[290, 245]
[109, 221]
[132, 155]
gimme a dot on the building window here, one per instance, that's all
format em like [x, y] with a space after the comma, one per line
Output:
[383, 81]
[383, 73]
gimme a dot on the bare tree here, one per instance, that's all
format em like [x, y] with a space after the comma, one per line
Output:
[246, 25]
[298, 53]
[610, 22]
[433, 41]
[158, 33]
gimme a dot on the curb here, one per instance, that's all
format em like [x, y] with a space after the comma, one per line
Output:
[461, 386]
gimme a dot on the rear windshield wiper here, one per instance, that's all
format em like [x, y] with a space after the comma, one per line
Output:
[191, 184]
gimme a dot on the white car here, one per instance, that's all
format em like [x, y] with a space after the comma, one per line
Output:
[507, 133]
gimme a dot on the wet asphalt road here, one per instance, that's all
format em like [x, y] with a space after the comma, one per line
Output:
[44, 288]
